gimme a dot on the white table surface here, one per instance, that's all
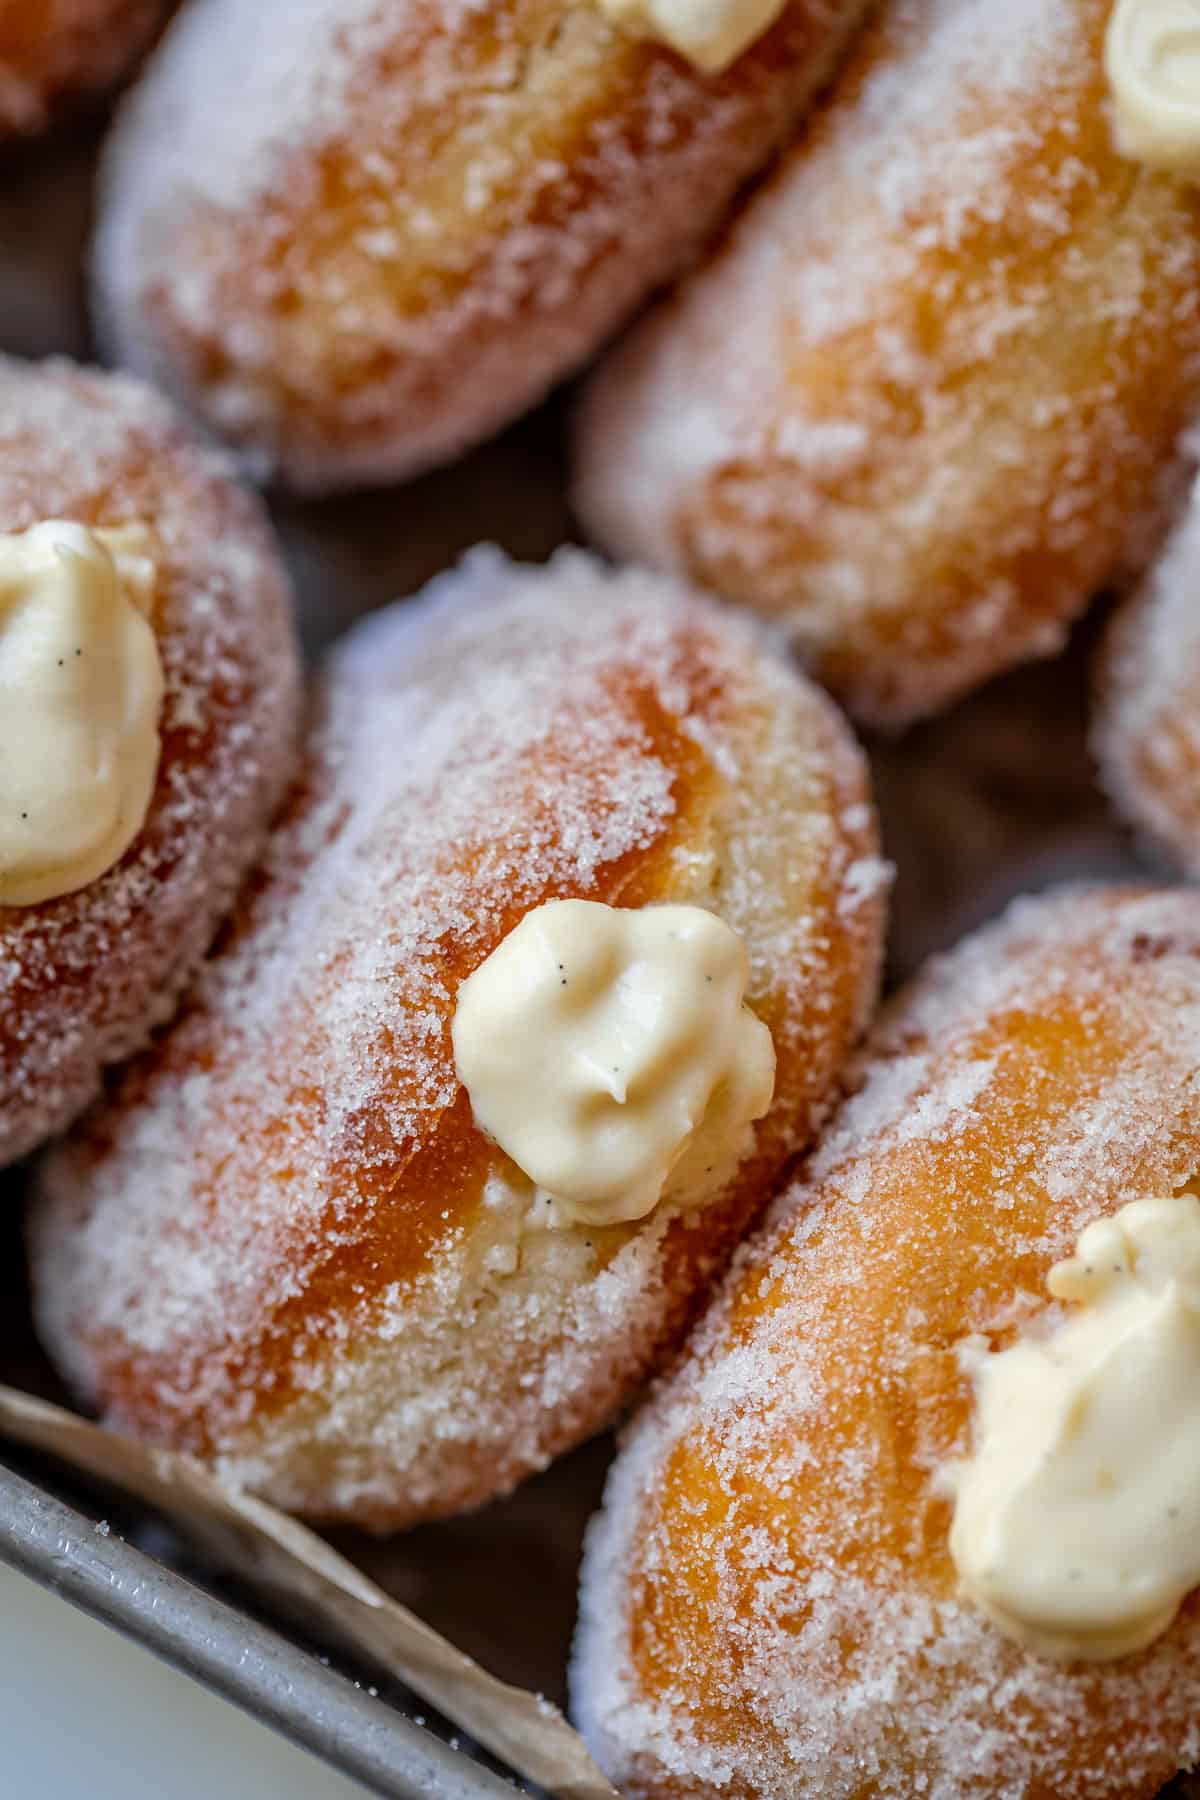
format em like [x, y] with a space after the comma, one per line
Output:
[87, 1715]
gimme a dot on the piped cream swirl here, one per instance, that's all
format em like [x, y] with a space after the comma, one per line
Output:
[81, 689]
[1077, 1516]
[710, 34]
[1152, 60]
[610, 1053]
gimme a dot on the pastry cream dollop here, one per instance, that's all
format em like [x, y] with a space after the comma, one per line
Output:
[710, 34]
[1077, 1517]
[1152, 59]
[81, 688]
[609, 1052]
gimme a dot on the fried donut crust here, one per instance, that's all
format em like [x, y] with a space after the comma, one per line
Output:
[925, 399]
[56, 53]
[769, 1606]
[412, 222]
[1146, 719]
[285, 1245]
[84, 978]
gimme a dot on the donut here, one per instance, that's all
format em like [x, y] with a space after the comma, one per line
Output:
[1144, 731]
[409, 225]
[55, 53]
[769, 1603]
[923, 400]
[86, 974]
[286, 1244]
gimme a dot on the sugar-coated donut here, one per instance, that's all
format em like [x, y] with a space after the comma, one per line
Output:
[1146, 723]
[924, 399]
[769, 1603]
[54, 53]
[285, 1244]
[409, 223]
[84, 978]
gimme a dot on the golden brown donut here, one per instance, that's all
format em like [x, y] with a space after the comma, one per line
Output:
[769, 1604]
[285, 1244]
[924, 399]
[406, 224]
[54, 53]
[84, 978]
[1146, 723]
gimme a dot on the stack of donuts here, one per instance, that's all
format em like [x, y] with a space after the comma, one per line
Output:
[418, 1068]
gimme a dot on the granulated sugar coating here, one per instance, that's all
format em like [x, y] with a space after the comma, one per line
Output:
[409, 222]
[924, 400]
[1146, 732]
[284, 1244]
[84, 978]
[769, 1605]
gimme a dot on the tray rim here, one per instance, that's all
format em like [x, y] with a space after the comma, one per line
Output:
[229, 1652]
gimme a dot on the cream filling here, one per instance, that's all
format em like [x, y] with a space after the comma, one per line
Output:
[1152, 60]
[81, 689]
[1077, 1515]
[609, 1052]
[710, 34]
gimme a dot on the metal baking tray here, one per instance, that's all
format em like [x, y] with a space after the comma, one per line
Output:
[362, 1731]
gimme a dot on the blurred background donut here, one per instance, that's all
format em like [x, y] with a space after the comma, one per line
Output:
[55, 54]
[926, 397]
[401, 226]
[1146, 724]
